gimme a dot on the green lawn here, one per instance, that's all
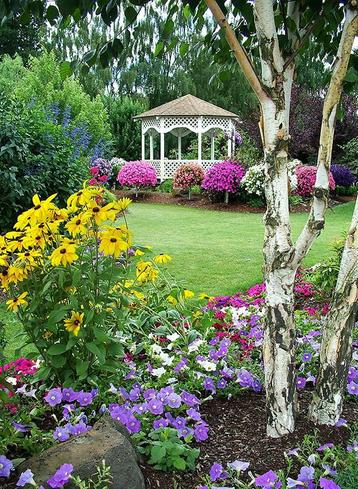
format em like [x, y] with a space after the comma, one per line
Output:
[220, 252]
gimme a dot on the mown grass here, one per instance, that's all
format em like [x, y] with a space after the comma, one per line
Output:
[214, 252]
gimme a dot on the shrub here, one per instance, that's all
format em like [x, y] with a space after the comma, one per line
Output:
[187, 176]
[306, 177]
[253, 181]
[137, 174]
[350, 155]
[224, 177]
[342, 175]
[166, 186]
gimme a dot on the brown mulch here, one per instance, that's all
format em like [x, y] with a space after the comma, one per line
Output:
[197, 201]
[238, 432]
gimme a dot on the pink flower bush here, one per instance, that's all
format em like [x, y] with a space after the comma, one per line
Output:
[188, 175]
[225, 176]
[306, 177]
[137, 174]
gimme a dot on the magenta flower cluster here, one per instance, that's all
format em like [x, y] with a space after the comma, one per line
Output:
[225, 176]
[306, 178]
[137, 174]
[188, 175]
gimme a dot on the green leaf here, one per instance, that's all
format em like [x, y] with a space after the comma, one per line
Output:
[65, 70]
[179, 463]
[100, 335]
[186, 11]
[57, 314]
[58, 361]
[82, 367]
[57, 349]
[157, 453]
[131, 14]
[158, 48]
[183, 48]
[96, 350]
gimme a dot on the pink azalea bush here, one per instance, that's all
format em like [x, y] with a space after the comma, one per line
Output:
[137, 174]
[306, 177]
[188, 175]
[225, 176]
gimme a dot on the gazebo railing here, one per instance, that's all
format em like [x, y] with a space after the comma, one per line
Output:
[166, 168]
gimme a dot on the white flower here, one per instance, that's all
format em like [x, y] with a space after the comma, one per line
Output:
[208, 366]
[166, 359]
[156, 349]
[158, 372]
[194, 346]
[11, 380]
[173, 337]
[172, 380]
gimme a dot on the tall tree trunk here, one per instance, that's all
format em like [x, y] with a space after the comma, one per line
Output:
[279, 338]
[336, 348]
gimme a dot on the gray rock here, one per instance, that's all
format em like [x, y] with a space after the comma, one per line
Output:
[107, 440]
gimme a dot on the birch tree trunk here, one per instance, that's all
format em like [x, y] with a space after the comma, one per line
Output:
[336, 348]
[279, 338]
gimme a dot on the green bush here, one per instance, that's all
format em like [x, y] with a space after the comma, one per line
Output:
[350, 155]
[351, 190]
[324, 276]
[126, 133]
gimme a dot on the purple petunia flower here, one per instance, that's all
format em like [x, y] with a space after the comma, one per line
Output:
[179, 422]
[155, 406]
[352, 388]
[324, 447]
[84, 398]
[327, 484]
[19, 427]
[78, 428]
[266, 480]
[61, 476]
[352, 374]
[173, 400]
[133, 424]
[341, 422]
[306, 357]
[193, 414]
[26, 477]
[239, 465]
[189, 399]
[201, 431]
[329, 470]
[209, 385]
[150, 394]
[54, 396]
[160, 423]
[222, 383]
[69, 395]
[301, 382]
[185, 432]
[245, 378]
[61, 434]
[306, 474]
[6, 466]
[216, 472]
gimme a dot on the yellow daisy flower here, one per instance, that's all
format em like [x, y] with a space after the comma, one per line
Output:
[4, 278]
[64, 255]
[112, 242]
[139, 295]
[73, 325]
[139, 253]
[188, 294]
[29, 256]
[77, 225]
[101, 214]
[3, 260]
[17, 274]
[122, 204]
[14, 304]
[145, 271]
[172, 300]
[82, 197]
[162, 259]
[41, 209]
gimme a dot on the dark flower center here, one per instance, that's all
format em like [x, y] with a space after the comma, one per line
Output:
[96, 209]
[37, 207]
[76, 322]
[63, 251]
[78, 222]
[113, 240]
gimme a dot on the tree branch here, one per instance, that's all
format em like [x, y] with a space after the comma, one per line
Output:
[315, 222]
[305, 36]
[238, 50]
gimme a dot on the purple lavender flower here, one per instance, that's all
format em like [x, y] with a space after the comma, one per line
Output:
[61, 476]
[201, 431]
[61, 434]
[6, 466]
[84, 398]
[54, 396]
[26, 477]
[216, 471]
[155, 406]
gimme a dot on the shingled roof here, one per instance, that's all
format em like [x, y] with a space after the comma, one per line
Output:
[186, 106]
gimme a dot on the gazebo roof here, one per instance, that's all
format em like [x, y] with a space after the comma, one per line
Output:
[187, 106]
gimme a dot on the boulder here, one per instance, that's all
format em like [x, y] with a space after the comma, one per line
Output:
[108, 440]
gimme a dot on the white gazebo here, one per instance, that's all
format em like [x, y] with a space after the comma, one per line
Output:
[180, 117]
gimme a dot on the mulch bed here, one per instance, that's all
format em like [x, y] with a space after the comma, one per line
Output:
[200, 202]
[238, 432]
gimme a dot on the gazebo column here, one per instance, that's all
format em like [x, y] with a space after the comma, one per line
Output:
[212, 139]
[151, 152]
[162, 149]
[179, 147]
[229, 141]
[200, 126]
[143, 144]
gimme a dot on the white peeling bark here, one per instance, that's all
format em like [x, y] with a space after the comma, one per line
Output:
[315, 222]
[336, 348]
[279, 338]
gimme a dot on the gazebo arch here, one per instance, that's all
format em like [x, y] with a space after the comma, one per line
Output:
[180, 117]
